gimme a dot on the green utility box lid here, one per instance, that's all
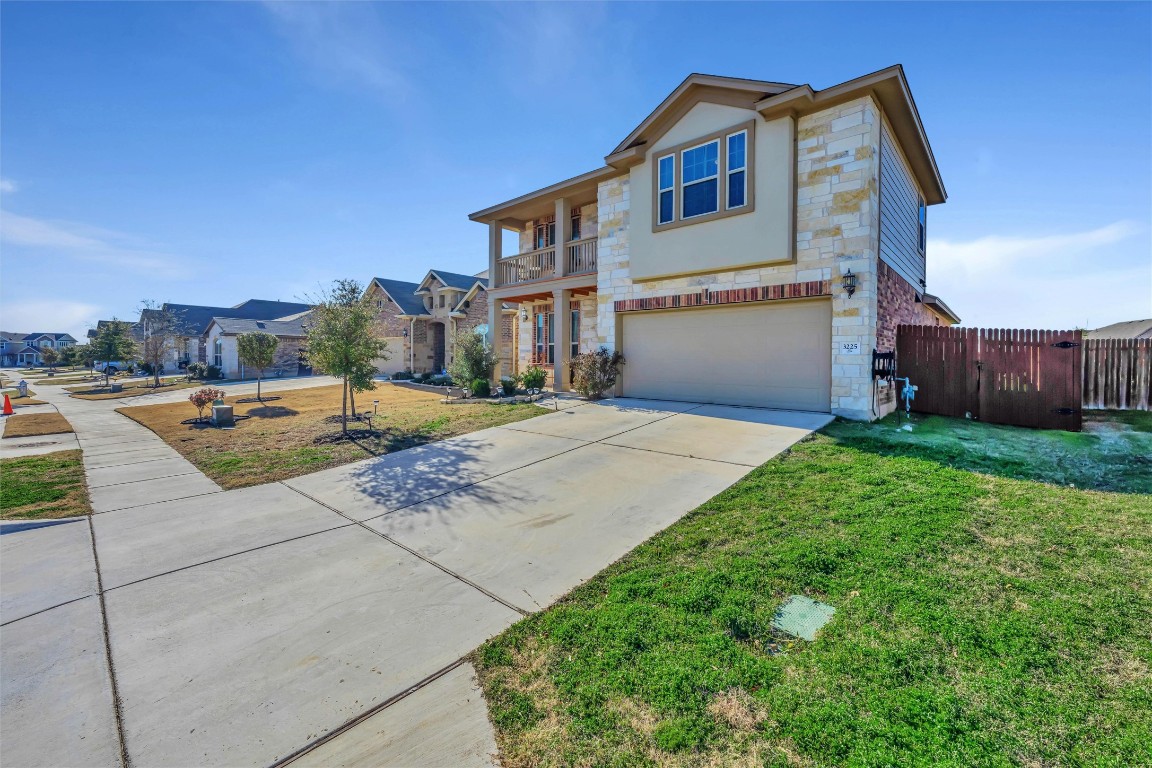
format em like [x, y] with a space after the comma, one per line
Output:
[802, 617]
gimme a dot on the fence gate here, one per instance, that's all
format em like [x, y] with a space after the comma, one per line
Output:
[1027, 378]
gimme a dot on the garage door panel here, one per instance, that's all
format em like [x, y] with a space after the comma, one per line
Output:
[774, 356]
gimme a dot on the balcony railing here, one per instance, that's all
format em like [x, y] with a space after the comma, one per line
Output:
[581, 256]
[526, 267]
[579, 259]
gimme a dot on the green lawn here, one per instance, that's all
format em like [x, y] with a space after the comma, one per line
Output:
[981, 619]
[43, 487]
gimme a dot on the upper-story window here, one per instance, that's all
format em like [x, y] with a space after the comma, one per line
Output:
[545, 232]
[666, 190]
[922, 217]
[575, 223]
[737, 169]
[705, 179]
[442, 299]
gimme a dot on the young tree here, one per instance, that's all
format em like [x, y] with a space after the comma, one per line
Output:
[257, 350]
[343, 339]
[158, 328]
[83, 355]
[68, 356]
[50, 357]
[113, 342]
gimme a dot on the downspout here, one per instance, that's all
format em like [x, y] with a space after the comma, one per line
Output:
[412, 344]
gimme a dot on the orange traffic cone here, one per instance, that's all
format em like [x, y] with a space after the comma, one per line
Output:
[7, 406]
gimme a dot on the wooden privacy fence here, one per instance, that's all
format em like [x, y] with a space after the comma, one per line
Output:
[1028, 378]
[1118, 374]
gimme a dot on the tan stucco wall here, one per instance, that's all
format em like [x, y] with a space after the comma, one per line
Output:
[759, 237]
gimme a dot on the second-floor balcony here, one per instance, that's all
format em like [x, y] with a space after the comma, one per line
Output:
[579, 258]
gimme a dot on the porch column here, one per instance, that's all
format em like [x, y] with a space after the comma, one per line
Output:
[495, 251]
[495, 317]
[562, 335]
[563, 214]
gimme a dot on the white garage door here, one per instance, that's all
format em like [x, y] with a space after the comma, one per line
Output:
[771, 356]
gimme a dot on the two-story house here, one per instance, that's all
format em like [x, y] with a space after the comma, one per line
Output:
[26, 348]
[749, 243]
[420, 320]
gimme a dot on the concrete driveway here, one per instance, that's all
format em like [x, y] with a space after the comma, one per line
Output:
[324, 619]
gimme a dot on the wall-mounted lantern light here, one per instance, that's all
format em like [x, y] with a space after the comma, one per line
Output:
[405, 333]
[849, 282]
[523, 314]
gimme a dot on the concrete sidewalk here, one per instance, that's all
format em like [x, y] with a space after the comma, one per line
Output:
[326, 618]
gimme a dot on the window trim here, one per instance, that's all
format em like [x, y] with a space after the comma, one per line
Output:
[722, 211]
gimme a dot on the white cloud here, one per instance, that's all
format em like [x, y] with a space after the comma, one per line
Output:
[1069, 280]
[343, 42]
[7, 186]
[72, 317]
[90, 244]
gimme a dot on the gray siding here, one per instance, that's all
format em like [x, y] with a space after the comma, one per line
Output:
[899, 214]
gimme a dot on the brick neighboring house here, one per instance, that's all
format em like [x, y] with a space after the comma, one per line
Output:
[419, 320]
[25, 348]
[749, 243]
[221, 341]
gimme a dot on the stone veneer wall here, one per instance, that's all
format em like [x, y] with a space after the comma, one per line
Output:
[837, 229]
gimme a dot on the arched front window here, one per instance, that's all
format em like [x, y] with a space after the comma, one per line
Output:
[218, 353]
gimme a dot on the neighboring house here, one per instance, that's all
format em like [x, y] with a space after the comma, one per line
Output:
[1130, 329]
[420, 320]
[192, 322]
[22, 349]
[714, 247]
[290, 359]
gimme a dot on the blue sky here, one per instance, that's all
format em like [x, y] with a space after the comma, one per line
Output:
[209, 153]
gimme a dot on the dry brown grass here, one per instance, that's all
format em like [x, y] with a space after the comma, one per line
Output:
[299, 431]
[17, 401]
[33, 424]
[100, 392]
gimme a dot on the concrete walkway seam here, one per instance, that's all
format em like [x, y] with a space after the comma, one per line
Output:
[340, 730]
[416, 554]
[117, 705]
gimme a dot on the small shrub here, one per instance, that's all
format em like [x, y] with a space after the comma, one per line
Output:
[147, 369]
[533, 378]
[204, 397]
[211, 373]
[440, 381]
[508, 385]
[402, 376]
[594, 373]
[481, 388]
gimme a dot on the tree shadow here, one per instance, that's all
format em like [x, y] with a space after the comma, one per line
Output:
[271, 412]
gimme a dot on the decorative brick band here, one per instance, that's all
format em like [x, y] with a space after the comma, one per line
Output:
[706, 298]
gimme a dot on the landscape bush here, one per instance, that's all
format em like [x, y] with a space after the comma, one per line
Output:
[473, 358]
[533, 378]
[594, 373]
[481, 388]
[402, 376]
[508, 385]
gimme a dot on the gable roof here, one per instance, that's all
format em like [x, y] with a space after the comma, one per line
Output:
[451, 280]
[404, 294]
[733, 91]
[1129, 329]
[232, 326]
